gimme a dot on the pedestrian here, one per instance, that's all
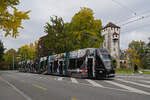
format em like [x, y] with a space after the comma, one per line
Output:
[135, 68]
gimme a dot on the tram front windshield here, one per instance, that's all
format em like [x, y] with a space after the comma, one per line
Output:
[105, 57]
[107, 60]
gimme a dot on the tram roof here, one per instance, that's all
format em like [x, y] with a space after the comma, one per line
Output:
[74, 54]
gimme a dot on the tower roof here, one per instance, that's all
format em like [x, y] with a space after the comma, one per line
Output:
[110, 24]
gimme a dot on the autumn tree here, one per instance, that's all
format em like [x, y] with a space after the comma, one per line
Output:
[58, 38]
[27, 52]
[1, 50]
[139, 48]
[86, 28]
[147, 54]
[10, 57]
[11, 18]
[133, 57]
[82, 32]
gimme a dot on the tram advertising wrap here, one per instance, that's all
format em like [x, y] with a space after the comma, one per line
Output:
[83, 63]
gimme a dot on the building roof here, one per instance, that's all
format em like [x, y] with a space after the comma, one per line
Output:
[43, 37]
[110, 24]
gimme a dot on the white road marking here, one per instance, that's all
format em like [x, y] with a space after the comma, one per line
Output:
[60, 78]
[147, 86]
[128, 88]
[16, 89]
[40, 77]
[94, 83]
[45, 78]
[145, 81]
[133, 77]
[74, 80]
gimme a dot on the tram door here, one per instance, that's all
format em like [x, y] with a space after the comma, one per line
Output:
[60, 67]
[90, 67]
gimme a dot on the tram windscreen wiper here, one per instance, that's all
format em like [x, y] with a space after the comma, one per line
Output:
[105, 57]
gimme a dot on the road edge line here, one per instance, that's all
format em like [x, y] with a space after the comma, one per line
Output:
[16, 89]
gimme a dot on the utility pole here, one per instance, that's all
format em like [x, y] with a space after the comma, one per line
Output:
[13, 62]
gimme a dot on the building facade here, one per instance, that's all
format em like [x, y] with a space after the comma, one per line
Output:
[42, 50]
[111, 34]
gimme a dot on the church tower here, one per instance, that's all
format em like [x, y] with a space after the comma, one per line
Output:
[111, 34]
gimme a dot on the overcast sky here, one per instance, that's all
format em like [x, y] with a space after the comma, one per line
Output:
[107, 10]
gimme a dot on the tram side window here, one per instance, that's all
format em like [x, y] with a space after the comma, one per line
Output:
[46, 63]
[80, 62]
[98, 61]
[42, 63]
[72, 63]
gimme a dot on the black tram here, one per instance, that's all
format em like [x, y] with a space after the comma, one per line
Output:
[83, 63]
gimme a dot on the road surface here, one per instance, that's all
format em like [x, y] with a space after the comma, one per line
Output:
[15, 85]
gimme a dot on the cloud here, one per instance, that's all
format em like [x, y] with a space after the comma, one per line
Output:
[128, 37]
[107, 10]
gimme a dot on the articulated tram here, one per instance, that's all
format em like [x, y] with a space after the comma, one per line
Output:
[83, 63]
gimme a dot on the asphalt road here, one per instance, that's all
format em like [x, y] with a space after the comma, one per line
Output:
[15, 85]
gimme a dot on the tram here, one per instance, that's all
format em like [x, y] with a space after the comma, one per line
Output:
[83, 63]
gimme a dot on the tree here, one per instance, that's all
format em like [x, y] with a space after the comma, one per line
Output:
[133, 57]
[147, 53]
[10, 57]
[58, 38]
[84, 26]
[82, 32]
[10, 23]
[27, 52]
[139, 48]
[1, 50]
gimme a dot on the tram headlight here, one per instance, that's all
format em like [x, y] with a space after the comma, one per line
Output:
[100, 71]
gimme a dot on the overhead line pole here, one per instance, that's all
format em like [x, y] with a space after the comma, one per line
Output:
[13, 62]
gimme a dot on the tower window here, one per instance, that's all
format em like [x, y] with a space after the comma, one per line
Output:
[116, 36]
[114, 49]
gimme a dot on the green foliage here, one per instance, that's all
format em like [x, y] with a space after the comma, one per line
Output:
[147, 55]
[123, 70]
[1, 50]
[138, 53]
[10, 23]
[139, 46]
[27, 52]
[59, 38]
[8, 57]
[83, 24]
[114, 62]
[82, 32]
[133, 57]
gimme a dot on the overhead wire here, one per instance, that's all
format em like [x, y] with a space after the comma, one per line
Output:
[127, 19]
[120, 4]
[133, 18]
[130, 19]
[137, 28]
[138, 19]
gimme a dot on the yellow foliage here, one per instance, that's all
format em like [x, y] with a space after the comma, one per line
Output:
[10, 23]
[133, 57]
[28, 51]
